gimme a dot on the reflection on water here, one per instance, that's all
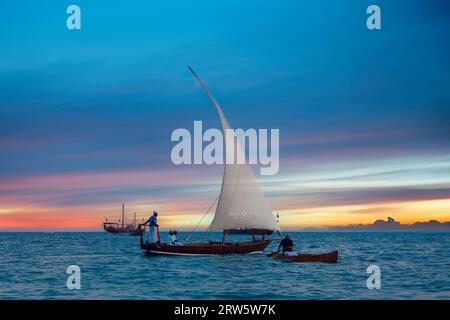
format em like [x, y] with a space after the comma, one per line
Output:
[413, 266]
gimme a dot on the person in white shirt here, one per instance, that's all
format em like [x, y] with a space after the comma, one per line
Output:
[152, 235]
[169, 237]
[172, 238]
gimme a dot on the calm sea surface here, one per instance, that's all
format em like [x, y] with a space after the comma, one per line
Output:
[413, 266]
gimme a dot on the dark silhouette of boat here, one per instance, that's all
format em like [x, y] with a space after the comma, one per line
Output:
[135, 230]
[241, 209]
[114, 227]
[118, 228]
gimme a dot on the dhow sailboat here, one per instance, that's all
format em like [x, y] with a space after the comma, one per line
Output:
[241, 208]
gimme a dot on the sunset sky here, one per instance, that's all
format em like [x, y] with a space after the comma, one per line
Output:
[86, 115]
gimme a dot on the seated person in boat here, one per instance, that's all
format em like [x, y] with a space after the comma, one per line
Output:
[152, 234]
[287, 244]
[172, 238]
[169, 237]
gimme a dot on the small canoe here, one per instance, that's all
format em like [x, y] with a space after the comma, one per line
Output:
[330, 257]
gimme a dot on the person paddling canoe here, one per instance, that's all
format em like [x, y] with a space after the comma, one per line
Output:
[153, 231]
[287, 244]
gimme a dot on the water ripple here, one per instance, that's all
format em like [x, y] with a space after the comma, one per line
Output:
[413, 266]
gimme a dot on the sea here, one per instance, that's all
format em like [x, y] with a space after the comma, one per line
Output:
[412, 265]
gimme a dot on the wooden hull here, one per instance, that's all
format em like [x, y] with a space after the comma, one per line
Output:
[255, 232]
[135, 232]
[211, 248]
[112, 227]
[116, 231]
[330, 257]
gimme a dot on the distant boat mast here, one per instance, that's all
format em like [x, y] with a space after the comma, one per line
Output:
[123, 215]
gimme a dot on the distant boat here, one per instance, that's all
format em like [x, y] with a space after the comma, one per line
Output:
[242, 208]
[114, 227]
[135, 230]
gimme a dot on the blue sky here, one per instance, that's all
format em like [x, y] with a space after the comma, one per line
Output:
[107, 97]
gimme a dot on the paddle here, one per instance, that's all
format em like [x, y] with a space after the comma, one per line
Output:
[272, 253]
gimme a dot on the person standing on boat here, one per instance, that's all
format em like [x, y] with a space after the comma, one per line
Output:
[153, 232]
[287, 244]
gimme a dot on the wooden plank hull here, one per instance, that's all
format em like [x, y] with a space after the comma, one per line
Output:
[112, 227]
[255, 232]
[135, 232]
[211, 248]
[330, 257]
[116, 231]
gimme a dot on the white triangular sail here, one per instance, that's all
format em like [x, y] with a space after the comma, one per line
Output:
[242, 204]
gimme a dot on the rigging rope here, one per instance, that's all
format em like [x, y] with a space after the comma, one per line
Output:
[203, 217]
